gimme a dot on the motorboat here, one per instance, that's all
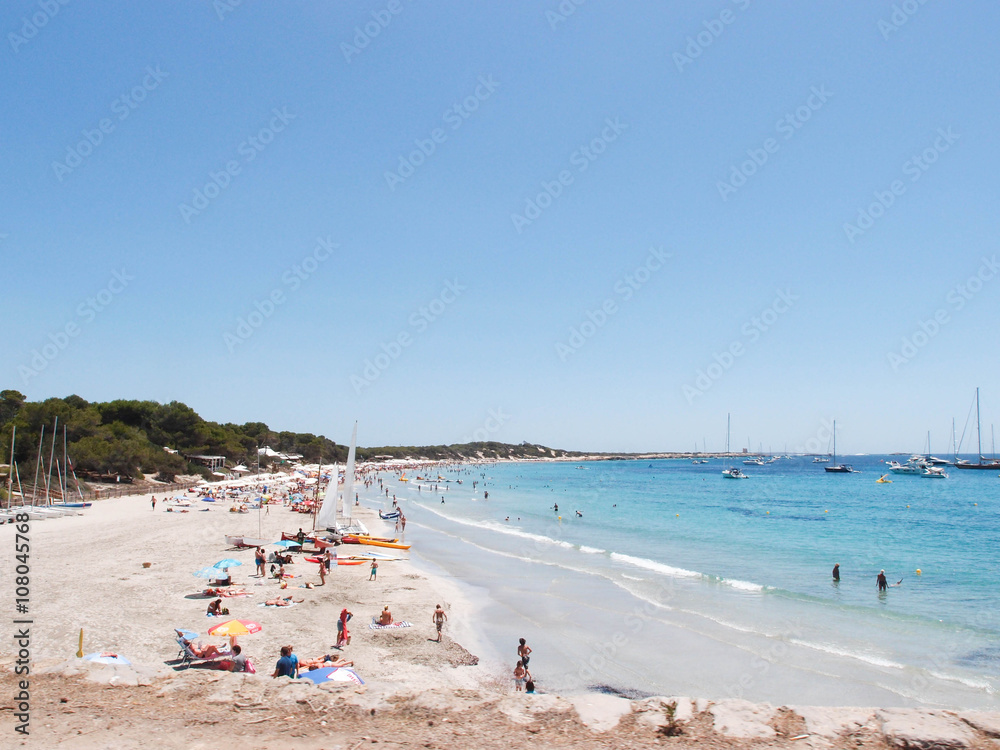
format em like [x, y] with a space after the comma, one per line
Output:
[754, 462]
[913, 466]
[934, 472]
[734, 473]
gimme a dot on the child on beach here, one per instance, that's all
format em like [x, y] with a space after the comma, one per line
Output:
[520, 674]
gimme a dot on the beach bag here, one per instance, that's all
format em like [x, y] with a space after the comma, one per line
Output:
[250, 667]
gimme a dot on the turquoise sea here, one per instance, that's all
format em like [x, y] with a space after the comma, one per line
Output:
[676, 580]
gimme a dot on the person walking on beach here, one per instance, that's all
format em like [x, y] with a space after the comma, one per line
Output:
[883, 584]
[326, 559]
[343, 635]
[438, 618]
[402, 521]
[373, 576]
[154, 502]
[836, 572]
[524, 651]
[322, 573]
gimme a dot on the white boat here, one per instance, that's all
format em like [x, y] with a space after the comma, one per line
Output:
[821, 460]
[731, 473]
[916, 465]
[753, 462]
[934, 472]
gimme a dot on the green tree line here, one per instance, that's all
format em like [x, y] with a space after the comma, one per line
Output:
[128, 437]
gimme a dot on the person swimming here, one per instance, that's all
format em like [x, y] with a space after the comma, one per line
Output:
[836, 572]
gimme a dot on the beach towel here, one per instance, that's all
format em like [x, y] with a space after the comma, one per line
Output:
[400, 624]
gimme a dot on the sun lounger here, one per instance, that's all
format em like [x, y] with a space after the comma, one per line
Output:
[188, 657]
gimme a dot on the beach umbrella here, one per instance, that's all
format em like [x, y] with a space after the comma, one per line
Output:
[206, 573]
[227, 563]
[287, 543]
[188, 634]
[105, 658]
[235, 627]
[332, 674]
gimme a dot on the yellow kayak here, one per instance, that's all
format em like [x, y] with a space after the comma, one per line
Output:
[882, 480]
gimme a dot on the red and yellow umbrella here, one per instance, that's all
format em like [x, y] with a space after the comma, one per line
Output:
[235, 627]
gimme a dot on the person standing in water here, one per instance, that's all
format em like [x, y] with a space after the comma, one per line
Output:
[836, 572]
[882, 583]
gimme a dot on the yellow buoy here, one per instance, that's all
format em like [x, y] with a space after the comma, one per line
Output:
[768, 512]
[826, 511]
[678, 515]
[918, 571]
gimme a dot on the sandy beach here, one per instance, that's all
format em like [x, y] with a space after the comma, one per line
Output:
[87, 572]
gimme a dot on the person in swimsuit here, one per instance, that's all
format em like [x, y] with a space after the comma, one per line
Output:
[881, 582]
[524, 651]
[438, 618]
[519, 675]
[836, 572]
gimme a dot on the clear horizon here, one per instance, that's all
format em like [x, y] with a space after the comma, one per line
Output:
[585, 226]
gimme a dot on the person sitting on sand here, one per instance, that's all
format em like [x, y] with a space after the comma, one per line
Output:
[283, 602]
[324, 661]
[215, 608]
[285, 666]
[386, 617]
[239, 663]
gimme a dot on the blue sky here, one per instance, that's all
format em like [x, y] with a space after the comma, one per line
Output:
[313, 128]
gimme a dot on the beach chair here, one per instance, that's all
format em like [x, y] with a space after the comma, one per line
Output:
[188, 657]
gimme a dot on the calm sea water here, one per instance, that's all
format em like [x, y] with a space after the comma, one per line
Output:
[676, 579]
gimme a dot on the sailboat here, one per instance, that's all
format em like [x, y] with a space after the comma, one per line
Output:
[983, 464]
[837, 468]
[731, 473]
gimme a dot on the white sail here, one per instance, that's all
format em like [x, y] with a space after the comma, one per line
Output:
[349, 477]
[327, 517]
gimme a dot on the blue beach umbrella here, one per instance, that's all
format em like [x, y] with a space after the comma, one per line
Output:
[206, 573]
[188, 634]
[105, 658]
[287, 543]
[332, 674]
[227, 563]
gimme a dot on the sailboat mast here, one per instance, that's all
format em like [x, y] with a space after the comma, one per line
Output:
[979, 430]
[65, 467]
[954, 440]
[835, 442]
[10, 469]
[52, 456]
[38, 465]
[319, 478]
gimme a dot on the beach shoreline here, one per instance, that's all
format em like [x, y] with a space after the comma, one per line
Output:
[87, 572]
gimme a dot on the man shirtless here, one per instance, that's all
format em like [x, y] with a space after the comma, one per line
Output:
[438, 619]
